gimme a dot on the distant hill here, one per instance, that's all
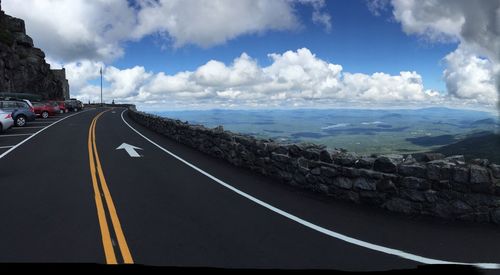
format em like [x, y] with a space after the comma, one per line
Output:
[392, 115]
[487, 121]
[479, 145]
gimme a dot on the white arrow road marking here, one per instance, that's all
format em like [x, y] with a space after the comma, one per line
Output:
[130, 150]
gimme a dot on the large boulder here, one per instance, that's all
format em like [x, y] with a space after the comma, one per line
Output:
[388, 163]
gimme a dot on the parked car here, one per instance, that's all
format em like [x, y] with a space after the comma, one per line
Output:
[44, 110]
[6, 120]
[62, 107]
[55, 106]
[21, 111]
[74, 105]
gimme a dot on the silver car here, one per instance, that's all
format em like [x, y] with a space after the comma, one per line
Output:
[6, 120]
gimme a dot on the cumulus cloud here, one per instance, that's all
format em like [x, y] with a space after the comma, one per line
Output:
[294, 78]
[208, 23]
[76, 29]
[476, 24]
[470, 77]
[72, 30]
[472, 69]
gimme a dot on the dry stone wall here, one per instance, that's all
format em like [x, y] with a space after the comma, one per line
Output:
[423, 184]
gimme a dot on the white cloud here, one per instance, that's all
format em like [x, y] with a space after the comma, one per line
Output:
[72, 30]
[476, 24]
[472, 69]
[125, 83]
[79, 73]
[294, 78]
[208, 23]
[470, 77]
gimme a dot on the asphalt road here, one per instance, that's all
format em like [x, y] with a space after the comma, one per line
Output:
[67, 194]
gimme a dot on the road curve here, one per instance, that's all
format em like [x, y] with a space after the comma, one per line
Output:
[76, 193]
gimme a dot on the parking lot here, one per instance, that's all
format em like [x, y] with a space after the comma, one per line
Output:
[17, 135]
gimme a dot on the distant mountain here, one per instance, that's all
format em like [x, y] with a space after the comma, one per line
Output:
[487, 121]
[478, 145]
[392, 115]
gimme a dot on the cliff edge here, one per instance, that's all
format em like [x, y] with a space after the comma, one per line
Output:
[22, 66]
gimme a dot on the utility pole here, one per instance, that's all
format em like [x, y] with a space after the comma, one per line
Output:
[101, 85]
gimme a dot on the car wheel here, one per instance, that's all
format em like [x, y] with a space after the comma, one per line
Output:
[20, 121]
[45, 114]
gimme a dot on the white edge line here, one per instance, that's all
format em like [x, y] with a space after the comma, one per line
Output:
[317, 228]
[35, 134]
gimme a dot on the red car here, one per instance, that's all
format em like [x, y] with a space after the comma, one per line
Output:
[44, 109]
[62, 107]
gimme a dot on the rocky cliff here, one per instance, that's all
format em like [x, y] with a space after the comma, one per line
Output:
[22, 66]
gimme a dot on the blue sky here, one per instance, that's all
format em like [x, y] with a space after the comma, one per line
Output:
[202, 54]
[359, 40]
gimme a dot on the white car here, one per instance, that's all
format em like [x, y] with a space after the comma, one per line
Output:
[6, 121]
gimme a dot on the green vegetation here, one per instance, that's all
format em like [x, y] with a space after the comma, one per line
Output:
[362, 131]
[480, 145]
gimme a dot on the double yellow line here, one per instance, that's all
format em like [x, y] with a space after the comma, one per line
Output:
[101, 190]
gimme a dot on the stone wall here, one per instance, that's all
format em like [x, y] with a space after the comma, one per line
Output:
[424, 184]
[22, 66]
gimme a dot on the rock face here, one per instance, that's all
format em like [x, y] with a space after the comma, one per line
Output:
[22, 66]
[426, 185]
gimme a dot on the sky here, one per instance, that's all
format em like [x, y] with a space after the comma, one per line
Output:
[245, 54]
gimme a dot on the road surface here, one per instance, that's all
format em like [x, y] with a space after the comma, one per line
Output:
[96, 187]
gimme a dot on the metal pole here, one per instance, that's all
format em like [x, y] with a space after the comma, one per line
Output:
[101, 86]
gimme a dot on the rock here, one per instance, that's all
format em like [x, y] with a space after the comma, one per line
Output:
[342, 182]
[495, 216]
[426, 157]
[329, 172]
[345, 159]
[495, 170]
[441, 185]
[409, 160]
[372, 197]
[346, 195]
[415, 183]
[480, 162]
[400, 205]
[325, 156]
[386, 185]
[457, 159]
[413, 195]
[439, 170]
[460, 208]
[460, 174]
[23, 40]
[430, 196]
[479, 175]
[364, 184]
[388, 163]
[281, 150]
[302, 162]
[316, 171]
[413, 170]
[365, 162]
[23, 68]
[280, 158]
